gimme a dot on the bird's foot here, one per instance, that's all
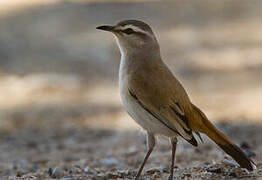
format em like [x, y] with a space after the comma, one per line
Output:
[137, 176]
[170, 177]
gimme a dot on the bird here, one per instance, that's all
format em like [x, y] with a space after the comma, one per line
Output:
[156, 99]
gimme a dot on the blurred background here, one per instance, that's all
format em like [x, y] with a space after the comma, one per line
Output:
[59, 97]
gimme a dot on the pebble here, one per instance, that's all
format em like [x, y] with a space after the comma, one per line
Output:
[109, 161]
[154, 170]
[68, 178]
[233, 174]
[88, 170]
[113, 175]
[229, 162]
[124, 172]
[215, 170]
[20, 173]
[56, 172]
[203, 164]
[205, 173]
[100, 177]
[156, 176]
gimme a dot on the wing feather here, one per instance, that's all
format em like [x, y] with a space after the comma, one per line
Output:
[172, 116]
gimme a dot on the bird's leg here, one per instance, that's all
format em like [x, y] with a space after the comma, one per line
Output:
[151, 145]
[173, 141]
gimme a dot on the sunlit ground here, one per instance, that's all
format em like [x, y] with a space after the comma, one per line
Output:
[59, 98]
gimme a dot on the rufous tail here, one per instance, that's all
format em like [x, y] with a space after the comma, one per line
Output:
[222, 140]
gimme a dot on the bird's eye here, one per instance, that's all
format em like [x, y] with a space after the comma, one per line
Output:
[128, 31]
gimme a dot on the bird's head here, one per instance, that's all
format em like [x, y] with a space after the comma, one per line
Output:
[133, 36]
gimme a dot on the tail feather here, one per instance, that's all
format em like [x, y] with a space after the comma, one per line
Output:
[223, 141]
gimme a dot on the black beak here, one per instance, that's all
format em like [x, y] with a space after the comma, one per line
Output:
[106, 28]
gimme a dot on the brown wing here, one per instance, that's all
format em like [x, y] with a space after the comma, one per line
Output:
[171, 116]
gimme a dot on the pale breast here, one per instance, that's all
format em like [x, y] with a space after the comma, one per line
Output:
[141, 115]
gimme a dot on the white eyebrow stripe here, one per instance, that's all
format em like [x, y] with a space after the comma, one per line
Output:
[135, 28]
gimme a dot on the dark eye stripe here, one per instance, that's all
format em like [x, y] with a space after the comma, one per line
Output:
[128, 31]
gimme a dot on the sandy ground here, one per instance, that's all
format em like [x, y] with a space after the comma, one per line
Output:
[60, 112]
[106, 154]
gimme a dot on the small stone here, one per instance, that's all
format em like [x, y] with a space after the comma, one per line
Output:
[109, 161]
[112, 175]
[57, 172]
[88, 170]
[205, 173]
[202, 164]
[100, 177]
[233, 174]
[20, 173]
[215, 170]
[187, 175]
[167, 170]
[68, 178]
[245, 171]
[156, 176]
[154, 170]
[124, 172]
[229, 162]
